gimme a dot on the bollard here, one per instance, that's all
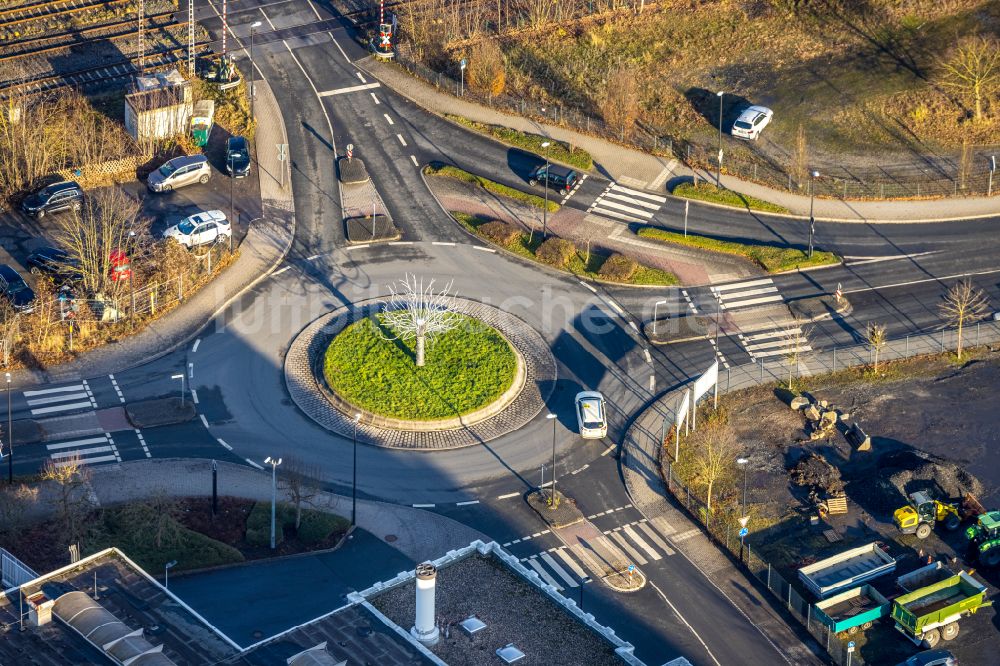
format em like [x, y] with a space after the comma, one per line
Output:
[835, 359]
[907, 352]
[977, 333]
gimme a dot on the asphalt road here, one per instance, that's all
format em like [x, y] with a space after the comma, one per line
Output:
[896, 275]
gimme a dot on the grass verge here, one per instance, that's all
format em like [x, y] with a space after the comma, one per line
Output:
[772, 259]
[526, 245]
[315, 526]
[557, 151]
[708, 192]
[489, 185]
[467, 367]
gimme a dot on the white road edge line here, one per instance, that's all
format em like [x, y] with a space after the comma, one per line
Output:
[470, 502]
[401, 139]
[424, 506]
[443, 243]
[223, 442]
[254, 464]
[414, 160]
[678, 614]
[195, 347]
[483, 249]
[508, 496]
[194, 396]
[204, 420]
[388, 118]
[357, 247]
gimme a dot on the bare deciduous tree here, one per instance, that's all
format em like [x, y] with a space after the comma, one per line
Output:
[487, 71]
[796, 339]
[973, 71]
[417, 312]
[713, 456]
[876, 337]
[15, 503]
[620, 106]
[10, 326]
[963, 304]
[69, 477]
[301, 484]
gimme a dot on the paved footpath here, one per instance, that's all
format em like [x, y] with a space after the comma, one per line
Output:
[639, 169]
[264, 248]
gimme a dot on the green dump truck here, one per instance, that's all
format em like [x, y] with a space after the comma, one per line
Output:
[931, 613]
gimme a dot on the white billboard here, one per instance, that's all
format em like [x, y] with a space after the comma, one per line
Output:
[701, 386]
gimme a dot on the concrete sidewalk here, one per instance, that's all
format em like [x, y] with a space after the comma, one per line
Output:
[267, 242]
[635, 168]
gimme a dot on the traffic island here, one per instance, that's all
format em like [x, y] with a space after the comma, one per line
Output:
[368, 229]
[562, 514]
[352, 171]
[674, 330]
[366, 219]
[160, 412]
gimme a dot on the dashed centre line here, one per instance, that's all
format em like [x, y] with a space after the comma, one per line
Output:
[388, 118]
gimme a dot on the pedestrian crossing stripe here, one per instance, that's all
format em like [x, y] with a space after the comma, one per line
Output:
[625, 203]
[56, 399]
[747, 293]
[86, 451]
[775, 342]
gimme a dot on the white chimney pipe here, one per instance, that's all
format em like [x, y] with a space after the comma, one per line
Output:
[424, 629]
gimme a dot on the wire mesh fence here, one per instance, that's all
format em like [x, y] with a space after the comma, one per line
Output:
[721, 524]
[930, 177]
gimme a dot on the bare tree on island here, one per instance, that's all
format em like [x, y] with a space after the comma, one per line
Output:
[963, 303]
[416, 312]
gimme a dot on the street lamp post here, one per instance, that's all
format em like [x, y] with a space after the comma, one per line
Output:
[718, 178]
[274, 489]
[545, 184]
[166, 573]
[744, 463]
[552, 496]
[10, 437]
[253, 26]
[180, 377]
[655, 319]
[354, 475]
[131, 271]
[812, 220]
[232, 208]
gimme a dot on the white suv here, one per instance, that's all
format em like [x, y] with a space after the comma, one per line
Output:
[201, 229]
[591, 415]
[752, 122]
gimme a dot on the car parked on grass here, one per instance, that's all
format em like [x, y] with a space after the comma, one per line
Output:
[16, 290]
[752, 122]
[200, 229]
[53, 198]
[178, 172]
[554, 176]
[591, 415]
[237, 157]
[54, 263]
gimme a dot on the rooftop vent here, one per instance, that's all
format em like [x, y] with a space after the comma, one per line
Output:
[472, 625]
[424, 628]
[510, 654]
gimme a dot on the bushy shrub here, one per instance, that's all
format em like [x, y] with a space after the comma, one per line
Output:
[619, 268]
[556, 252]
[500, 233]
[317, 526]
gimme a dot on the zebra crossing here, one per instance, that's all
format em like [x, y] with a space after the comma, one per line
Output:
[625, 203]
[73, 397]
[86, 451]
[563, 567]
[780, 341]
[749, 293]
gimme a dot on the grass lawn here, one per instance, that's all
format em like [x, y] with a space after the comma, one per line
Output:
[708, 192]
[466, 368]
[772, 259]
[557, 151]
[490, 185]
[316, 526]
[526, 245]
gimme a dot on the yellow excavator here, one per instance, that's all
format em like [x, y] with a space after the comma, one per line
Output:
[923, 512]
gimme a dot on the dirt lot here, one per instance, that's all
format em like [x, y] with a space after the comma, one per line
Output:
[927, 418]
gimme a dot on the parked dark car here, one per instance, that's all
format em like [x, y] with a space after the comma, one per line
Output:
[931, 658]
[55, 263]
[16, 290]
[237, 157]
[53, 198]
[554, 176]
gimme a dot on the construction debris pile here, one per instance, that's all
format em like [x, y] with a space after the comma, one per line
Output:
[817, 475]
[903, 472]
[821, 417]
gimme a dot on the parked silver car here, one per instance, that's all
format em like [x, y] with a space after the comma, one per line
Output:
[200, 229]
[178, 172]
[752, 122]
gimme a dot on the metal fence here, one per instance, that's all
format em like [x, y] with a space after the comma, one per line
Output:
[931, 177]
[722, 524]
[15, 572]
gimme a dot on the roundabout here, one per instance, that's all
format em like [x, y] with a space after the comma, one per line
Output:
[489, 376]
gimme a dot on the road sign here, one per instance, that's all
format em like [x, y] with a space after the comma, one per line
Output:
[631, 568]
[463, 63]
[850, 646]
[744, 520]
[350, 150]
[282, 151]
[743, 532]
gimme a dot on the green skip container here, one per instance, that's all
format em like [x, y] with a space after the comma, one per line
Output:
[931, 614]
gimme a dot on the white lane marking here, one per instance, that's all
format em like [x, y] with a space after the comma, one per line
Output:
[361, 76]
[280, 270]
[652, 383]
[633, 325]
[223, 442]
[533, 563]
[357, 247]
[771, 334]
[588, 286]
[76, 442]
[142, 441]
[61, 408]
[645, 352]
[857, 261]
[571, 563]
[253, 464]
[746, 293]
[58, 389]
[190, 370]
[314, 257]
[423, 506]
[779, 352]
[195, 347]
[194, 396]
[508, 496]
[401, 139]
[414, 160]
[559, 570]
[388, 118]
[632, 534]
[686, 535]
[467, 503]
[484, 249]
[87, 461]
[639, 193]
[617, 307]
[58, 398]
[655, 538]
[608, 450]
[375, 97]
[204, 420]
[349, 89]
[443, 243]
[686, 623]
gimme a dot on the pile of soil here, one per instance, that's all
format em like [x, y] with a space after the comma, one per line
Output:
[819, 476]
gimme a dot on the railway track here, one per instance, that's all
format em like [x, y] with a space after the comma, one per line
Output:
[125, 29]
[38, 10]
